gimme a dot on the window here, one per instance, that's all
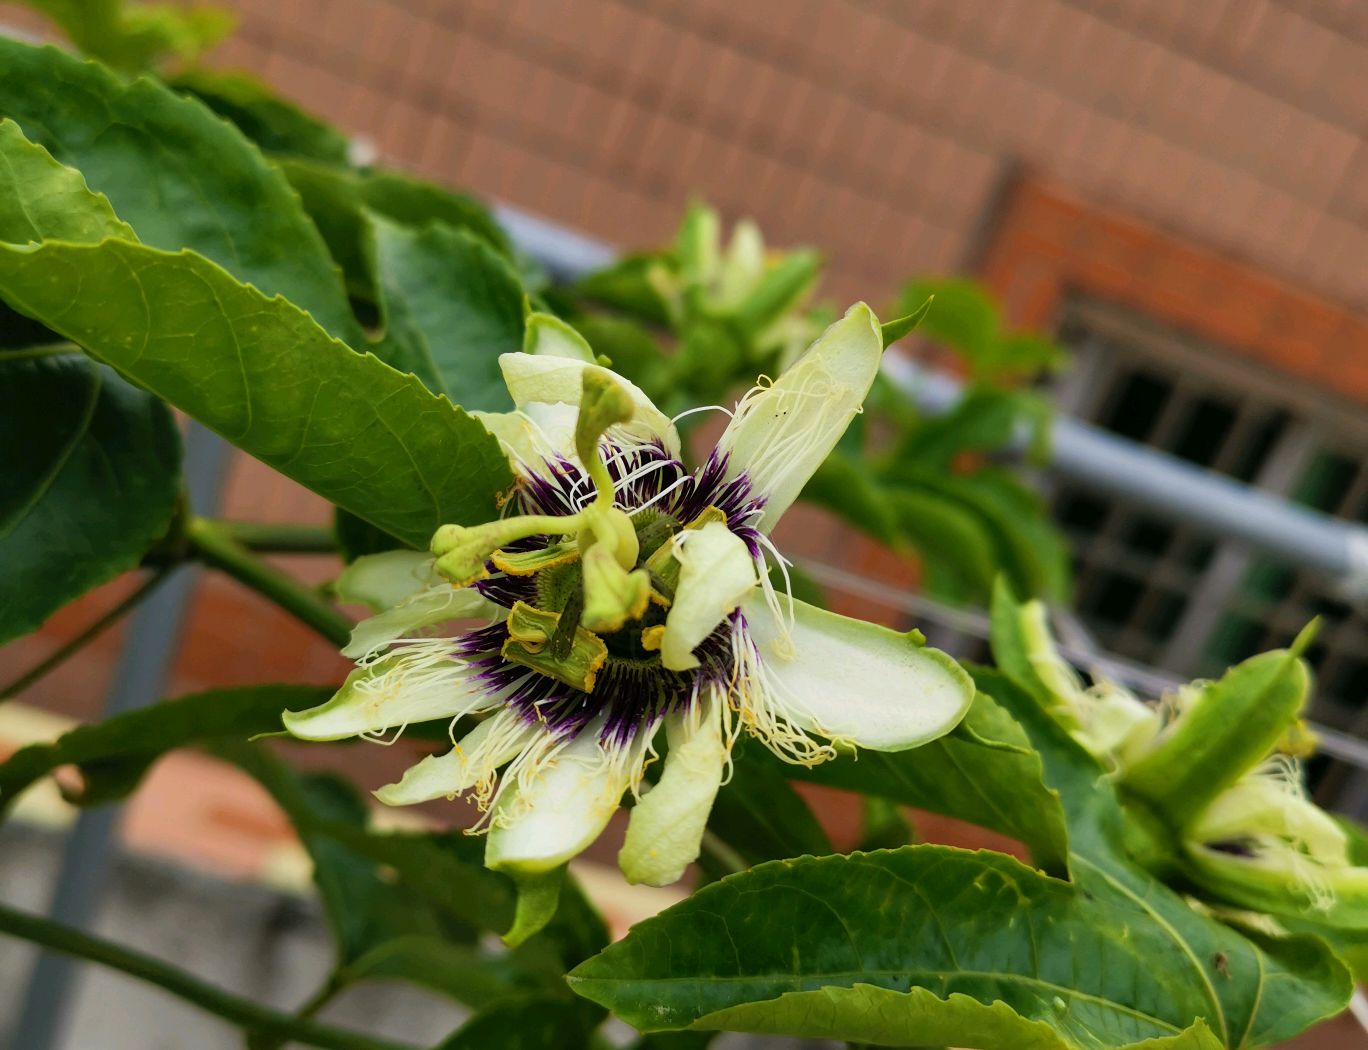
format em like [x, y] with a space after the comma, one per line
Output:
[1160, 593]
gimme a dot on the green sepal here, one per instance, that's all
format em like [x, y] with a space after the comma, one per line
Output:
[538, 898]
[1230, 728]
[901, 327]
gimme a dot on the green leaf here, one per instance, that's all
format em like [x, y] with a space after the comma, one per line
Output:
[135, 37]
[262, 374]
[467, 974]
[626, 285]
[450, 305]
[961, 944]
[983, 419]
[846, 486]
[984, 773]
[1025, 544]
[118, 751]
[180, 176]
[947, 534]
[275, 125]
[337, 200]
[962, 316]
[759, 814]
[91, 483]
[41, 199]
[1258, 991]
[882, 1014]
[99, 474]
[529, 1023]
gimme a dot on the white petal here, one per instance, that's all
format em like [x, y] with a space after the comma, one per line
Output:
[715, 572]
[564, 806]
[855, 682]
[433, 605]
[536, 433]
[666, 826]
[559, 380]
[493, 743]
[781, 434]
[549, 336]
[394, 691]
[382, 581]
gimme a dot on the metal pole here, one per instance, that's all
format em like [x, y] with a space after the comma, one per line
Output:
[140, 677]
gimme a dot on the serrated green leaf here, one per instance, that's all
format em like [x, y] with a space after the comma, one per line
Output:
[180, 176]
[275, 125]
[947, 534]
[527, 1023]
[450, 306]
[91, 484]
[337, 200]
[135, 37]
[468, 974]
[129, 743]
[1258, 992]
[626, 285]
[944, 921]
[959, 777]
[41, 199]
[1026, 546]
[266, 377]
[881, 1014]
[95, 467]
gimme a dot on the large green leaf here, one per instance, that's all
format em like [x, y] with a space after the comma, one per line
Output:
[935, 944]
[985, 772]
[136, 36]
[1258, 992]
[1025, 544]
[93, 472]
[91, 481]
[338, 199]
[451, 305]
[265, 376]
[275, 125]
[975, 948]
[176, 173]
[526, 1023]
[463, 972]
[113, 754]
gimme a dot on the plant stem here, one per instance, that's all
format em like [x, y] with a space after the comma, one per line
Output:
[724, 854]
[272, 538]
[242, 1012]
[321, 998]
[215, 547]
[70, 647]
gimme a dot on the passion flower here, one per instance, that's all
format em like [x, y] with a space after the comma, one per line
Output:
[625, 593]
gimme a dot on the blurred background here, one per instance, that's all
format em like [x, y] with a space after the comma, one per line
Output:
[1175, 192]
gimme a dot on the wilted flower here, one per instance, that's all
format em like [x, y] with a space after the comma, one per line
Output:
[626, 593]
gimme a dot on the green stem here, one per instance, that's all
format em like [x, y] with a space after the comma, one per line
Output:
[721, 852]
[272, 538]
[215, 547]
[70, 647]
[321, 998]
[241, 1012]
